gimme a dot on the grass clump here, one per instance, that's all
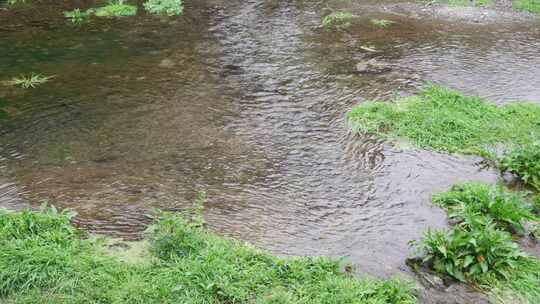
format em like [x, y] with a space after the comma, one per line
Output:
[77, 16]
[525, 163]
[445, 120]
[337, 20]
[467, 201]
[164, 7]
[116, 8]
[532, 6]
[31, 80]
[45, 260]
[382, 23]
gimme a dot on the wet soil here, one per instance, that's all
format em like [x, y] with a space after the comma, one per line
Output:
[246, 100]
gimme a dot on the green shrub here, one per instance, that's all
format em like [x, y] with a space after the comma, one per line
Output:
[338, 20]
[465, 253]
[43, 260]
[508, 210]
[525, 163]
[164, 7]
[532, 6]
[445, 120]
[116, 8]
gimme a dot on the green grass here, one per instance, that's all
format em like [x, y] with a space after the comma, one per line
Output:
[45, 260]
[31, 80]
[337, 20]
[478, 249]
[116, 8]
[508, 210]
[532, 6]
[164, 7]
[382, 23]
[445, 120]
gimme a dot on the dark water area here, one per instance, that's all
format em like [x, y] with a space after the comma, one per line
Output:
[245, 100]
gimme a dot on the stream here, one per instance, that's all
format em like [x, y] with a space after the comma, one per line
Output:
[247, 101]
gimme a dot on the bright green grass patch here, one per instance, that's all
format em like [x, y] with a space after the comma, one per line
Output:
[116, 8]
[532, 6]
[445, 120]
[508, 210]
[164, 7]
[45, 260]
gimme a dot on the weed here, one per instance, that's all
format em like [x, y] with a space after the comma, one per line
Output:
[525, 163]
[116, 8]
[382, 23]
[44, 260]
[466, 253]
[338, 20]
[164, 7]
[532, 6]
[29, 81]
[476, 249]
[77, 16]
[466, 201]
[444, 120]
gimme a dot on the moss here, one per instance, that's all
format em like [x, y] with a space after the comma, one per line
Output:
[45, 260]
[445, 120]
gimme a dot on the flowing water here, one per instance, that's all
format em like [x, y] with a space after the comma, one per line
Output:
[245, 100]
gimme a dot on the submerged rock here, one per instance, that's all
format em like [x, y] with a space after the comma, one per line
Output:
[433, 288]
[167, 63]
[371, 66]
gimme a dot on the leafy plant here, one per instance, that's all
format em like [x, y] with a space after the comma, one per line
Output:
[465, 253]
[116, 8]
[382, 23]
[164, 7]
[29, 81]
[77, 16]
[338, 20]
[465, 201]
[525, 163]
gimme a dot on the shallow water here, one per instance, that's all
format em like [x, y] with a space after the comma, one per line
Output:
[245, 100]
